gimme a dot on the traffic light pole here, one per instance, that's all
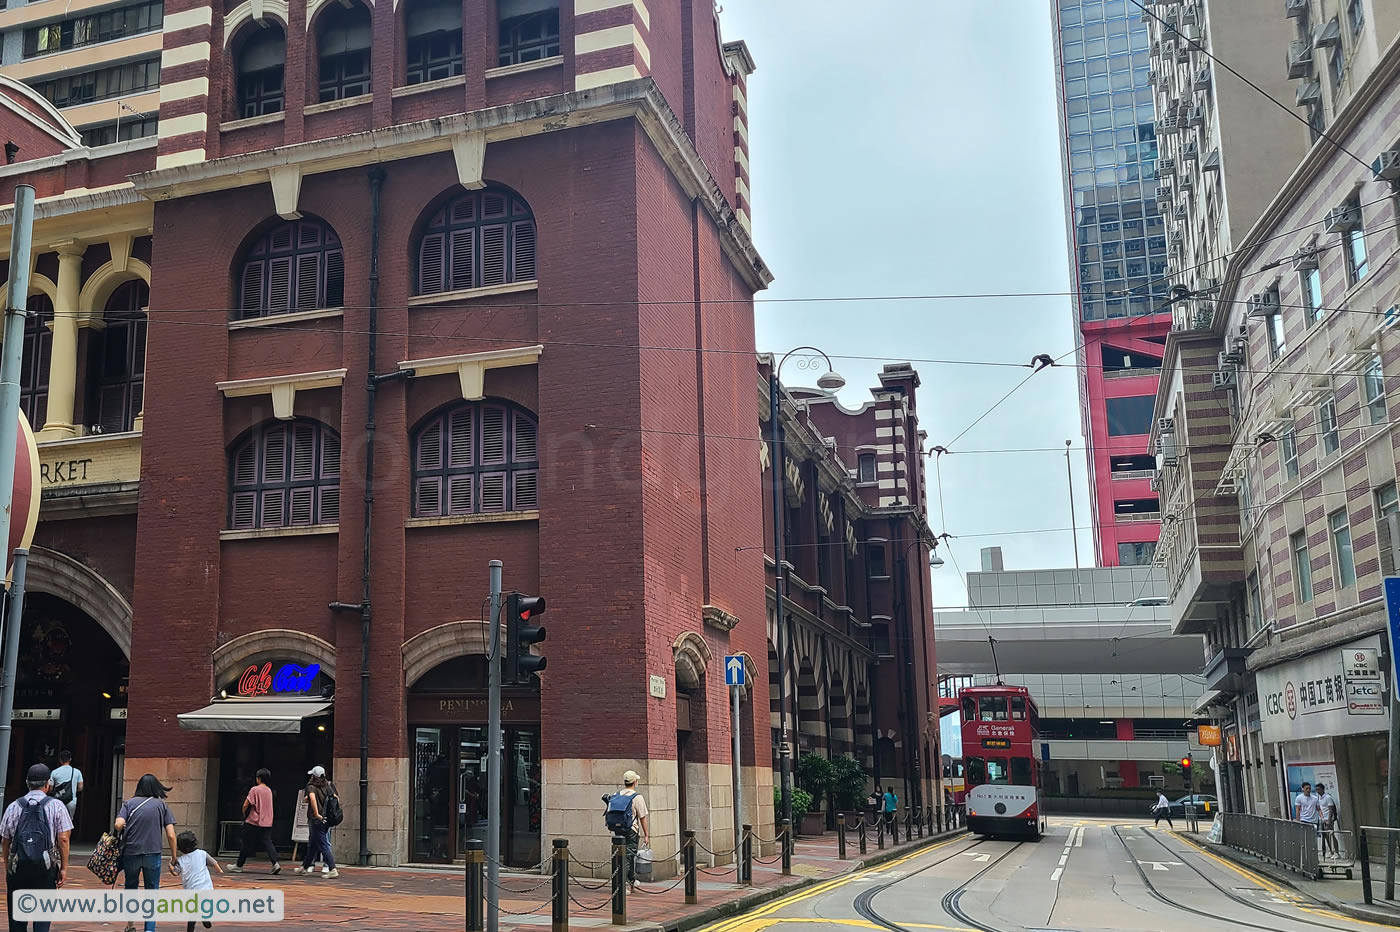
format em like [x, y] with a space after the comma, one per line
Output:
[493, 755]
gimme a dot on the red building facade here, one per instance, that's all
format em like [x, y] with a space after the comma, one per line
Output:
[443, 301]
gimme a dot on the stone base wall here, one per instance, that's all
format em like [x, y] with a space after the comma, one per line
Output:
[573, 808]
[709, 804]
[193, 783]
[759, 811]
[390, 810]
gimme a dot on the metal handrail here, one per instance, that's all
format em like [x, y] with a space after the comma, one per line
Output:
[1284, 842]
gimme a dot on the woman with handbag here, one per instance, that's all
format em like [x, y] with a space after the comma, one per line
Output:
[143, 819]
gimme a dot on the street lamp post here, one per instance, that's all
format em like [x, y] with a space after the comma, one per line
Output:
[829, 381]
[910, 700]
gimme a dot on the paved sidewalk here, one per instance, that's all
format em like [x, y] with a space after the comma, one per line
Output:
[426, 900]
[1343, 895]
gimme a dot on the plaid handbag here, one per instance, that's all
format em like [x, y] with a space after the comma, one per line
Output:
[106, 858]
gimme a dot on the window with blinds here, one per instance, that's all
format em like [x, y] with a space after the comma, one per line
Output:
[34, 368]
[297, 265]
[480, 239]
[285, 474]
[120, 365]
[476, 458]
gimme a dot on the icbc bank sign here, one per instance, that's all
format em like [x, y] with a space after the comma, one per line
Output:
[1321, 695]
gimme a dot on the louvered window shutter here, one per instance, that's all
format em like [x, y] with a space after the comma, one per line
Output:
[523, 252]
[430, 447]
[526, 490]
[493, 256]
[493, 435]
[463, 259]
[279, 289]
[245, 465]
[281, 238]
[330, 505]
[430, 264]
[243, 511]
[330, 455]
[308, 280]
[526, 438]
[250, 298]
[459, 494]
[303, 499]
[275, 455]
[427, 497]
[273, 513]
[303, 451]
[493, 492]
[335, 279]
[459, 443]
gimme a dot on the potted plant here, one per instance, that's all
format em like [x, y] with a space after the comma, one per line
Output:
[813, 775]
[801, 802]
[847, 787]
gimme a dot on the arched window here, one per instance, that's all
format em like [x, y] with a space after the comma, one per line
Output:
[285, 474]
[342, 49]
[528, 30]
[120, 369]
[434, 40]
[480, 239]
[262, 65]
[476, 458]
[297, 265]
[34, 370]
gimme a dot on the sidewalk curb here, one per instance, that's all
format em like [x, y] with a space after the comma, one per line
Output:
[1288, 879]
[745, 903]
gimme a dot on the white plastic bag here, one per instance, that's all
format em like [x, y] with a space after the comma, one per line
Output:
[643, 862]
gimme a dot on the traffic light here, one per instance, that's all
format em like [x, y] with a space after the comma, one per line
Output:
[1186, 763]
[520, 634]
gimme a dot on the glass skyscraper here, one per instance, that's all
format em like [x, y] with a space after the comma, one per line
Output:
[1118, 260]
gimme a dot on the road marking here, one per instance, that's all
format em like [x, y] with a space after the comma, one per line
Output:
[1161, 865]
[978, 856]
[1063, 859]
[1057, 873]
[1079, 842]
[761, 924]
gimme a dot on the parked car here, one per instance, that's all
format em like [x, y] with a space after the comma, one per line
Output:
[1205, 805]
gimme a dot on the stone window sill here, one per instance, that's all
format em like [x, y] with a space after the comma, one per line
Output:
[408, 90]
[337, 104]
[470, 294]
[272, 320]
[261, 120]
[507, 70]
[309, 530]
[458, 520]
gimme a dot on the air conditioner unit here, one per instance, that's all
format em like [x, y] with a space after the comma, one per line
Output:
[1328, 35]
[1341, 219]
[1155, 483]
[1239, 347]
[1167, 167]
[1183, 210]
[1202, 80]
[1305, 259]
[1387, 166]
[1168, 126]
[1190, 152]
[1155, 49]
[1233, 356]
[1190, 15]
[1299, 58]
[1176, 237]
[1262, 304]
[1164, 193]
[1224, 361]
[1166, 425]
[1183, 52]
[1309, 92]
[1222, 379]
[1296, 8]
[1196, 116]
[1185, 183]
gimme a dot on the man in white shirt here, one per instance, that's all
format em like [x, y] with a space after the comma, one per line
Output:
[1308, 807]
[67, 781]
[1162, 810]
[1327, 815]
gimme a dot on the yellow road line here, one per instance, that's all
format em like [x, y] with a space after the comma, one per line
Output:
[758, 925]
[741, 922]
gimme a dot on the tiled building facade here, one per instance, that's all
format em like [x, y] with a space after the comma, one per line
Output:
[1276, 434]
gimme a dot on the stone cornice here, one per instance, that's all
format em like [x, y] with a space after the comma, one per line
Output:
[640, 99]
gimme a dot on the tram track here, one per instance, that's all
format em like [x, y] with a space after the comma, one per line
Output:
[864, 903]
[1229, 894]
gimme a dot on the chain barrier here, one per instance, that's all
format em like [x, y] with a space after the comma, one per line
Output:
[773, 860]
[529, 912]
[718, 854]
[589, 886]
[640, 889]
[539, 886]
[591, 865]
[581, 905]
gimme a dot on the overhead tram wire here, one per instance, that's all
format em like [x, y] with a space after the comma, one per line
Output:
[1263, 93]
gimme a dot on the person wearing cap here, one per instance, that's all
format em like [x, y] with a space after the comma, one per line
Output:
[143, 819]
[20, 875]
[318, 790]
[639, 818]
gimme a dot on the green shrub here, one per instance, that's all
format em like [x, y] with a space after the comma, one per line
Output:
[814, 775]
[801, 801]
[847, 785]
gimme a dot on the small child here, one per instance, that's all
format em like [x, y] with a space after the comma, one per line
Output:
[193, 867]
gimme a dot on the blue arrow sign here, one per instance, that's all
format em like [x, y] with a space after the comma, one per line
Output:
[734, 669]
[1391, 586]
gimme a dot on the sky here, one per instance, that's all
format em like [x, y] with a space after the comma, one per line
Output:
[930, 168]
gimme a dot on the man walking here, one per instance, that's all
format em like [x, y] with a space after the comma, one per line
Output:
[1308, 806]
[257, 823]
[67, 782]
[626, 812]
[34, 843]
[1162, 809]
[1327, 816]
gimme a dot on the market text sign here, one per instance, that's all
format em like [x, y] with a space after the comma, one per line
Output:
[288, 678]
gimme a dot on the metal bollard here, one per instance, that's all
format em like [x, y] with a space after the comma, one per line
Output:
[939, 814]
[880, 832]
[787, 848]
[862, 834]
[688, 864]
[619, 880]
[560, 889]
[476, 886]
[746, 863]
[919, 821]
[841, 835]
[894, 829]
[1364, 852]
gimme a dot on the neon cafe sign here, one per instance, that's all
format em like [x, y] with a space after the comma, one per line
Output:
[288, 678]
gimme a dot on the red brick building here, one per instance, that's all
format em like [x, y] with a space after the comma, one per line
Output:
[396, 290]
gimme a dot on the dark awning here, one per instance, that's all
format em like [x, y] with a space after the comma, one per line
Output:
[255, 716]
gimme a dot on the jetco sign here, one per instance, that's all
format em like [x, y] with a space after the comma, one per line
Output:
[1324, 694]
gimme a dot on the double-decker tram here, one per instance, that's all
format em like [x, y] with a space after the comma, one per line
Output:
[1000, 732]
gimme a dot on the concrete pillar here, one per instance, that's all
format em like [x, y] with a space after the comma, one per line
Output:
[63, 362]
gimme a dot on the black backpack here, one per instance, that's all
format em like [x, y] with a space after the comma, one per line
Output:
[33, 838]
[332, 812]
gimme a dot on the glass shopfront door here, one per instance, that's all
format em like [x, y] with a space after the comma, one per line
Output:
[450, 792]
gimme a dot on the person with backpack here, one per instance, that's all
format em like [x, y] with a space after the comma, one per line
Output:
[67, 782]
[142, 821]
[627, 811]
[323, 813]
[34, 842]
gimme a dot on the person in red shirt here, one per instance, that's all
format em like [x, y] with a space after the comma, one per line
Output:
[257, 823]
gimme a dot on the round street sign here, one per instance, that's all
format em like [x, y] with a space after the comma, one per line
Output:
[24, 515]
